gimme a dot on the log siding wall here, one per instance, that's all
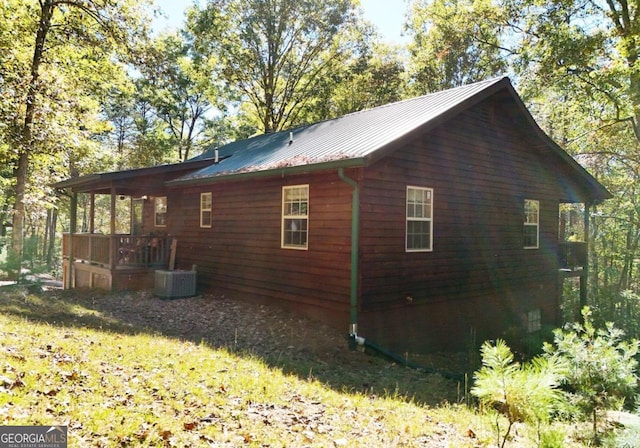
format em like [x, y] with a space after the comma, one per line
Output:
[241, 253]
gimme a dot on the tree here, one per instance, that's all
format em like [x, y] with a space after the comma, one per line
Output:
[180, 91]
[455, 42]
[59, 25]
[528, 392]
[273, 52]
[372, 74]
[600, 365]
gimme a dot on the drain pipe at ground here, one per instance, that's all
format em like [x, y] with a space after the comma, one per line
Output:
[353, 320]
[355, 238]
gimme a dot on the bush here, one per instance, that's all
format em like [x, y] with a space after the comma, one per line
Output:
[600, 372]
[527, 392]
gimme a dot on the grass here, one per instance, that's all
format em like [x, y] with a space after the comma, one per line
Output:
[116, 385]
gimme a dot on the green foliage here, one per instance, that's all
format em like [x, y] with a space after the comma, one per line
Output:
[526, 392]
[601, 366]
[56, 59]
[454, 43]
[273, 53]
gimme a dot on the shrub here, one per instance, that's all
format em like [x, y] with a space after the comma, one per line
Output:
[527, 392]
[601, 366]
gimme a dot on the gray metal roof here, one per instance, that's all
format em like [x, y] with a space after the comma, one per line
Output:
[348, 140]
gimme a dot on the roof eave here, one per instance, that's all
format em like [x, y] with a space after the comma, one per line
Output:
[102, 180]
[275, 172]
[598, 192]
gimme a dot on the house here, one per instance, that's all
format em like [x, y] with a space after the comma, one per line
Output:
[424, 225]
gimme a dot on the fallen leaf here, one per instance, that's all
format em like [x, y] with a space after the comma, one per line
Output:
[166, 434]
[189, 426]
[51, 392]
[9, 383]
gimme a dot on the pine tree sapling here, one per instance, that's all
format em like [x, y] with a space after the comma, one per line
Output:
[600, 365]
[526, 392]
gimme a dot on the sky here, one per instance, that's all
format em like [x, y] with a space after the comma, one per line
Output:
[387, 15]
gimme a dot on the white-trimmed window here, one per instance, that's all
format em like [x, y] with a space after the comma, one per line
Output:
[160, 211]
[419, 235]
[205, 210]
[531, 223]
[534, 320]
[295, 216]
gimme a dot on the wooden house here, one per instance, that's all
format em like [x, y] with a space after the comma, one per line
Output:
[422, 225]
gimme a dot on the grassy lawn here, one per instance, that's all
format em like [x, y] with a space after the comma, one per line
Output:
[68, 361]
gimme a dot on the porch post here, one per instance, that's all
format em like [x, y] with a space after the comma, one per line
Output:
[112, 231]
[585, 269]
[73, 218]
[92, 227]
[92, 213]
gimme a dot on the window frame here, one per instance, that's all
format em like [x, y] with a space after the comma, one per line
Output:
[203, 210]
[535, 224]
[285, 218]
[429, 218]
[534, 320]
[165, 213]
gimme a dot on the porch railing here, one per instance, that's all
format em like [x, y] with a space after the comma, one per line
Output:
[115, 251]
[572, 254]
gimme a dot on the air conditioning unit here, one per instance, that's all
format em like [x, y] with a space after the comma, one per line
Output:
[175, 284]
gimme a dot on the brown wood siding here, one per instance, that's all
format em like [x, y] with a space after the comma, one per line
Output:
[241, 251]
[481, 171]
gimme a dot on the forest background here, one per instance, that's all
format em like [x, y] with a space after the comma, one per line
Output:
[86, 86]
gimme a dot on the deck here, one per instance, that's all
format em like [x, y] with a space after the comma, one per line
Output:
[113, 262]
[572, 258]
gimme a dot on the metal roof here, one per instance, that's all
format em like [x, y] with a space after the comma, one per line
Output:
[354, 140]
[349, 140]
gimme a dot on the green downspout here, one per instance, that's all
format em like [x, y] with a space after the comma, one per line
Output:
[355, 237]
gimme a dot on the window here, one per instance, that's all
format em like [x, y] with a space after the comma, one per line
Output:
[295, 216]
[531, 223]
[160, 208]
[205, 210]
[534, 320]
[419, 219]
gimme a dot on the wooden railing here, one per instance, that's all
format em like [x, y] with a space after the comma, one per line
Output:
[572, 254]
[118, 250]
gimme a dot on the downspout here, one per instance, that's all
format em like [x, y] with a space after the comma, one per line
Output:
[355, 237]
[353, 326]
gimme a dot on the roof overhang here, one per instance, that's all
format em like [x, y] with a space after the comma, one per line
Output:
[275, 172]
[131, 182]
[593, 191]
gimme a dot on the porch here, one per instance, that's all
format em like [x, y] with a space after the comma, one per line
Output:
[572, 258]
[114, 262]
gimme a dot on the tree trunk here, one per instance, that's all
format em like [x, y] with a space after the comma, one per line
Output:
[22, 169]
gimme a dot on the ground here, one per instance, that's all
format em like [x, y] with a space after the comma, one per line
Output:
[284, 340]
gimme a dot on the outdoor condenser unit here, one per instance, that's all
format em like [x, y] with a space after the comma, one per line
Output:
[175, 284]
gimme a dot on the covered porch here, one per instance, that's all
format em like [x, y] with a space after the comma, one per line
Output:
[109, 258]
[114, 262]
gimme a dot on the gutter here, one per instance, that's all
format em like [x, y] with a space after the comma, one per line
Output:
[239, 174]
[355, 238]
